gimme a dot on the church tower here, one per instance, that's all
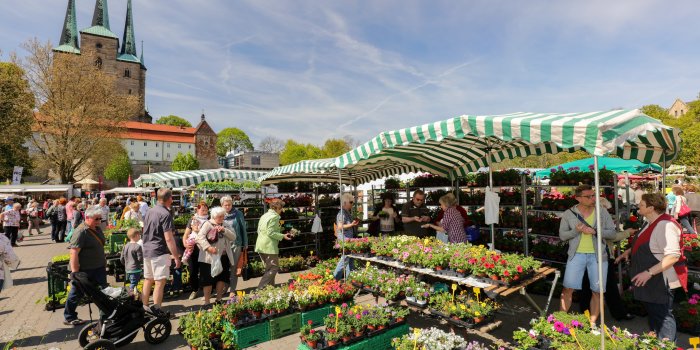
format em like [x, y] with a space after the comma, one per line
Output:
[100, 41]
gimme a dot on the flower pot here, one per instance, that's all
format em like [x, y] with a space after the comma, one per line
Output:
[438, 268]
[256, 314]
[411, 299]
[312, 344]
[478, 320]
[380, 327]
[346, 339]
[494, 277]
[399, 319]
[359, 334]
[462, 271]
[371, 328]
[332, 342]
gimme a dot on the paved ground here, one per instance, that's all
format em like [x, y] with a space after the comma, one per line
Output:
[29, 326]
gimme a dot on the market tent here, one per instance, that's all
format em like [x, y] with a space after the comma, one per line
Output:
[193, 177]
[325, 170]
[129, 190]
[27, 188]
[457, 146]
[616, 165]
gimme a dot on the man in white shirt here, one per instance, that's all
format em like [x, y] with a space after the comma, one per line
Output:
[143, 206]
[104, 208]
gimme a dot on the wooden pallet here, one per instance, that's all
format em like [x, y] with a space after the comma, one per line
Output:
[505, 291]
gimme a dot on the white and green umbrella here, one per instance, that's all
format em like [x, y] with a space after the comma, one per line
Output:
[460, 145]
[188, 178]
[325, 170]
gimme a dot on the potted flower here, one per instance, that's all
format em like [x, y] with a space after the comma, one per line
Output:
[332, 338]
[686, 314]
[312, 338]
[305, 329]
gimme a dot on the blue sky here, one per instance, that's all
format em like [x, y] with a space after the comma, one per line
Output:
[311, 70]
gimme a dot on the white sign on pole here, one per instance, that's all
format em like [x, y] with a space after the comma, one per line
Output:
[17, 175]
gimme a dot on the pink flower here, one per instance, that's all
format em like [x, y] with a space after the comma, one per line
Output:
[696, 296]
[692, 301]
[358, 316]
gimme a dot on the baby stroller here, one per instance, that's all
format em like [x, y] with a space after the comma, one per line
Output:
[120, 321]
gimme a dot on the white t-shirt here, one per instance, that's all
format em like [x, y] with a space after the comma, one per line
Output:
[387, 224]
[143, 209]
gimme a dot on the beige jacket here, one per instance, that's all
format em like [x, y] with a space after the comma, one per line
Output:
[223, 246]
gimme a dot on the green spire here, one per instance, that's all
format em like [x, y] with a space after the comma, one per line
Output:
[100, 21]
[128, 41]
[101, 15]
[69, 35]
[142, 61]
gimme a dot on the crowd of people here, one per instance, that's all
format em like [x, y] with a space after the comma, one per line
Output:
[215, 245]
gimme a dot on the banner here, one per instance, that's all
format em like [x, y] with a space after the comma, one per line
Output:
[17, 175]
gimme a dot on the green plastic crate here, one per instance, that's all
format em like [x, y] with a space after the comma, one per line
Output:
[315, 316]
[285, 325]
[383, 341]
[249, 336]
[360, 345]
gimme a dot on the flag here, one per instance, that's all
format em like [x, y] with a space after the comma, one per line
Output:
[130, 183]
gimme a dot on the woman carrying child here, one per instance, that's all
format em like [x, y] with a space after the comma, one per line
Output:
[189, 240]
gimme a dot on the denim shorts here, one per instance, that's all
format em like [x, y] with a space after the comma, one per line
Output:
[578, 265]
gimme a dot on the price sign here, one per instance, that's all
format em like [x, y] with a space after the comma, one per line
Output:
[694, 342]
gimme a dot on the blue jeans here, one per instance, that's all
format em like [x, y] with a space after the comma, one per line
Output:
[344, 263]
[683, 220]
[98, 275]
[584, 262]
[134, 278]
[661, 318]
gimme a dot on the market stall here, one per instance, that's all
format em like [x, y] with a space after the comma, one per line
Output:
[188, 178]
[457, 146]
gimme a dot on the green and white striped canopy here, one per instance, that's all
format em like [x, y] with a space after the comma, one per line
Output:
[325, 170]
[176, 179]
[460, 145]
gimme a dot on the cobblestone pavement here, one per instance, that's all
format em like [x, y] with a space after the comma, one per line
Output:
[24, 322]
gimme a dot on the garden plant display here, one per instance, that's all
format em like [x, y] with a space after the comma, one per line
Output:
[228, 186]
[570, 332]
[435, 339]
[347, 324]
[573, 176]
[686, 313]
[463, 309]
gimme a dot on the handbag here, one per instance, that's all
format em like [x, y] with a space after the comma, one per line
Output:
[685, 209]
[216, 267]
[213, 236]
[242, 262]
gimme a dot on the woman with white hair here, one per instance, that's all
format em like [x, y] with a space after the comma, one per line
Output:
[269, 237]
[214, 241]
[10, 221]
[346, 227]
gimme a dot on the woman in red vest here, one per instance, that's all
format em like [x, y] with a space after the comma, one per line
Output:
[657, 264]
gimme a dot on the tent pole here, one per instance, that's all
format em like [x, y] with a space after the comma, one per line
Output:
[491, 227]
[599, 250]
[663, 175]
[340, 233]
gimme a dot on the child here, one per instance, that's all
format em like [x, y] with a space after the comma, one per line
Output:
[190, 240]
[132, 258]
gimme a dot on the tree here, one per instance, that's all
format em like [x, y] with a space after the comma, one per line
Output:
[174, 121]
[231, 139]
[184, 162]
[294, 152]
[271, 144]
[334, 148]
[80, 112]
[119, 167]
[16, 104]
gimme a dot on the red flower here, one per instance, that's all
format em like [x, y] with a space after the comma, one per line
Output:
[633, 218]
[520, 269]
[312, 331]
[311, 323]
[693, 311]
[506, 273]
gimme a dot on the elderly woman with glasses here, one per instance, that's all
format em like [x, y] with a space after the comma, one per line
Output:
[214, 240]
[346, 227]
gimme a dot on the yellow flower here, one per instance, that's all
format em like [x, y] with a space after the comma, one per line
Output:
[461, 306]
[483, 303]
[477, 313]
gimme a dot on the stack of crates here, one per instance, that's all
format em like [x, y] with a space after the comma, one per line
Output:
[117, 242]
[285, 325]
[252, 335]
[315, 316]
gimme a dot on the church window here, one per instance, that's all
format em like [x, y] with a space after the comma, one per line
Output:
[132, 153]
[168, 145]
[676, 113]
[156, 144]
[255, 160]
[98, 45]
[127, 74]
[145, 154]
[682, 112]
[98, 63]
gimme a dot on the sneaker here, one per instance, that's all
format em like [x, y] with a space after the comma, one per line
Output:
[76, 322]
[155, 311]
[192, 296]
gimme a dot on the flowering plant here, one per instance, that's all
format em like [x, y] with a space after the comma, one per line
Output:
[566, 331]
[686, 312]
[431, 338]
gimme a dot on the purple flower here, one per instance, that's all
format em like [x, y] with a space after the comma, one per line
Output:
[550, 318]
[575, 324]
[566, 331]
[553, 170]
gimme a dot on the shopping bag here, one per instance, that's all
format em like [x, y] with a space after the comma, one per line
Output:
[242, 262]
[216, 267]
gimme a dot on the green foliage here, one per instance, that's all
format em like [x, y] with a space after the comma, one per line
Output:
[182, 220]
[185, 162]
[174, 121]
[231, 139]
[119, 167]
[228, 186]
[334, 148]
[16, 104]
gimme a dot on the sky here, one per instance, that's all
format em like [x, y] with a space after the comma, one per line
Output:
[313, 70]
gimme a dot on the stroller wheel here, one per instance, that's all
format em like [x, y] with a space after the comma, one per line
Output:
[157, 330]
[100, 344]
[89, 333]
